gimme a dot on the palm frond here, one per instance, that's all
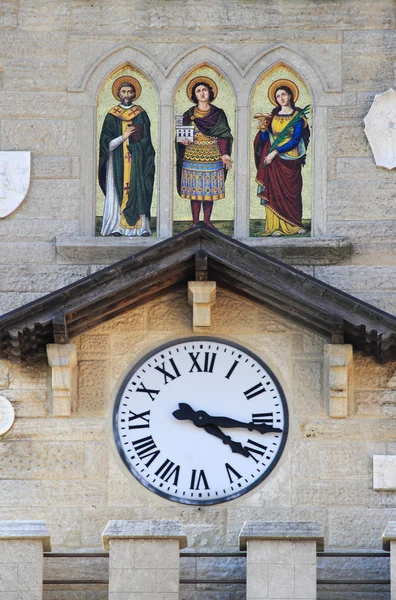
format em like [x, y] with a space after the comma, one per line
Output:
[285, 132]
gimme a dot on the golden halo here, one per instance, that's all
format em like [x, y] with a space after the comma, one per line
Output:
[281, 83]
[201, 79]
[126, 79]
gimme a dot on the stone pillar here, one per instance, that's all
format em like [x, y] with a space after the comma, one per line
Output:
[21, 559]
[389, 544]
[144, 559]
[281, 559]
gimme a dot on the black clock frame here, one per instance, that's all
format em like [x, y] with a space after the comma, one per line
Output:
[197, 502]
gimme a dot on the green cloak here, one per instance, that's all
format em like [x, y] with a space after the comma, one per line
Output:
[142, 166]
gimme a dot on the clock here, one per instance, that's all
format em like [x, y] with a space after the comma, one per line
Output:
[200, 421]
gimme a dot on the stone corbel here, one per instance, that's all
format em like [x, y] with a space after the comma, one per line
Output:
[62, 358]
[202, 296]
[338, 366]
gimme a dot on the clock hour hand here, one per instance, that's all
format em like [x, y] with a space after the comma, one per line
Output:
[200, 419]
[236, 447]
[185, 413]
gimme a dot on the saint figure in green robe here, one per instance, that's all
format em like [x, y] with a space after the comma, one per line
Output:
[126, 163]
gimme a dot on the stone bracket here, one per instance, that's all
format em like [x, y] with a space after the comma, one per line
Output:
[202, 296]
[338, 368]
[62, 358]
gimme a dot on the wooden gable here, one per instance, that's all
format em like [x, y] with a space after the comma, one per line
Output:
[198, 254]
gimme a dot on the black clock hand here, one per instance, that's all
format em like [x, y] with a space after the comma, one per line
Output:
[186, 413]
[227, 422]
[201, 418]
[236, 447]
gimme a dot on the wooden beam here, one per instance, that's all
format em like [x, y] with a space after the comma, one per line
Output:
[59, 328]
[337, 331]
[201, 266]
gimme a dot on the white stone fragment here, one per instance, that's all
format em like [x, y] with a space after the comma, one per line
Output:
[384, 472]
[7, 415]
[380, 129]
[14, 180]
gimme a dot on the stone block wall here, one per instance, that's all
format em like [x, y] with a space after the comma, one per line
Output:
[66, 472]
[55, 55]
[69, 470]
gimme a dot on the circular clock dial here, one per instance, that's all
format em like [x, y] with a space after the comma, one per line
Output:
[200, 421]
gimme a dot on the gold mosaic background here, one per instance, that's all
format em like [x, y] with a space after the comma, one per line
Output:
[147, 100]
[260, 103]
[223, 210]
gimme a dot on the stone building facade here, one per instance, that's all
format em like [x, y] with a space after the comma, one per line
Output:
[64, 469]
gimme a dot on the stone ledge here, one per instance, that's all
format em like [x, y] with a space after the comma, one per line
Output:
[99, 250]
[304, 251]
[106, 251]
[389, 535]
[26, 530]
[154, 530]
[278, 530]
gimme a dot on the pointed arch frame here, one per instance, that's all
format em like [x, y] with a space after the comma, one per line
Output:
[166, 81]
[184, 72]
[86, 95]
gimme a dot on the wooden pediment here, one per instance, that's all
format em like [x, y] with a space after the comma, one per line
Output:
[198, 254]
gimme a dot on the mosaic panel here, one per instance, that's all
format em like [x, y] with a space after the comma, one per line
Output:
[281, 182]
[127, 138]
[204, 131]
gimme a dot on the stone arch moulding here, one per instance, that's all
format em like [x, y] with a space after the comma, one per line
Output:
[322, 98]
[322, 94]
[86, 95]
[202, 56]
[98, 71]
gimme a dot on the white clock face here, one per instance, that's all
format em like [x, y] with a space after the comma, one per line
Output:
[200, 421]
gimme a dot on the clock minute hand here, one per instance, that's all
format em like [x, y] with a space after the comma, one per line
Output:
[236, 447]
[201, 418]
[228, 423]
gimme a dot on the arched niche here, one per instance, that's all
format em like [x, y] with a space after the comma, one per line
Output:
[148, 101]
[275, 203]
[204, 184]
[85, 89]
